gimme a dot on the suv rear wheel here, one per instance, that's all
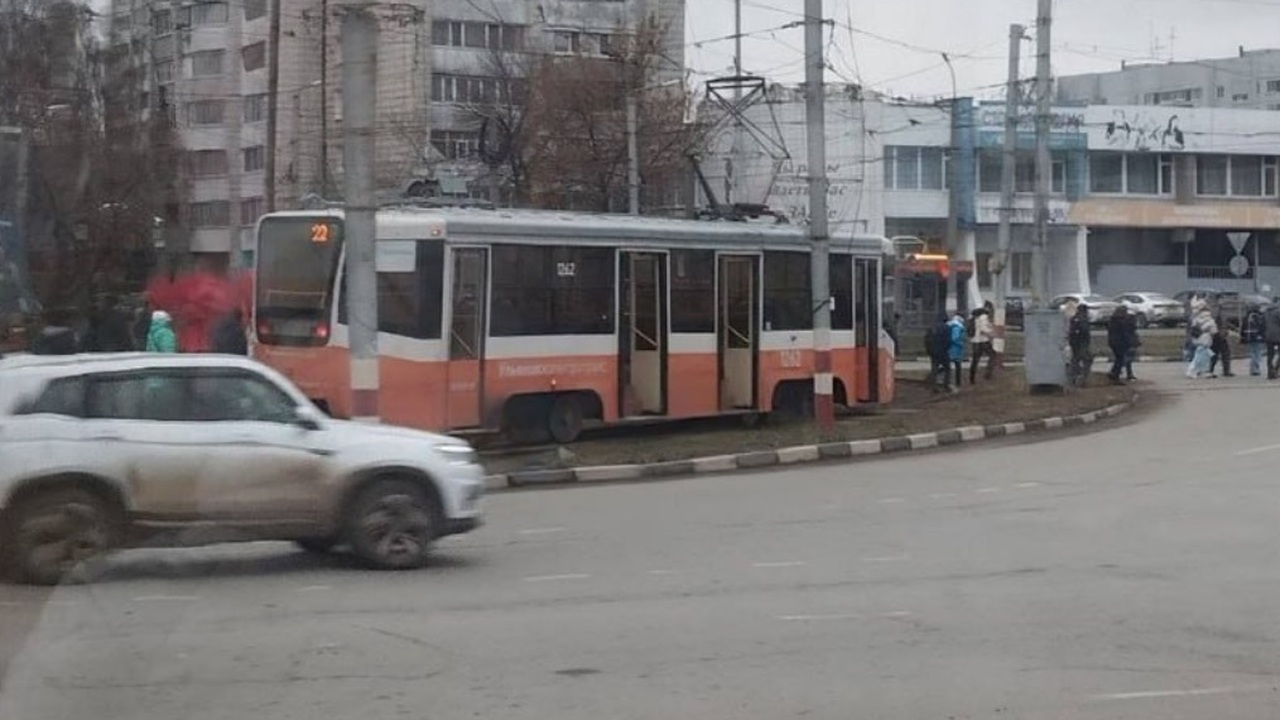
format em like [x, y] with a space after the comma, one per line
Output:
[393, 523]
[51, 535]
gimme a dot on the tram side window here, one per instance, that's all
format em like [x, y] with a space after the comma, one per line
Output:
[693, 291]
[787, 301]
[842, 292]
[552, 291]
[409, 303]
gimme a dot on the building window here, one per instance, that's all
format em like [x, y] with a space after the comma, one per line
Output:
[207, 163]
[1212, 174]
[443, 32]
[254, 9]
[1222, 92]
[565, 42]
[1240, 97]
[1148, 174]
[1106, 172]
[255, 108]
[1025, 173]
[989, 163]
[207, 63]
[255, 158]
[162, 22]
[982, 264]
[1174, 97]
[254, 56]
[788, 302]
[552, 291]
[915, 168]
[455, 145]
[205, 112]
[1020, 271]
[206, 13]
[210, 214]
[494, 36]
[251, 210]
[164, 71]
[1269, 176]
[1246, 176]
[466, 89]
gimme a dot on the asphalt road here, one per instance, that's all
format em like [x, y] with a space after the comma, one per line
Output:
[1128, 573]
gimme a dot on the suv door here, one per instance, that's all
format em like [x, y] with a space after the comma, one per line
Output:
[263, 466]
[139, 415]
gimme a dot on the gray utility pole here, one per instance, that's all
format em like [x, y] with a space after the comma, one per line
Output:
[1007, 166]
[1044, 164]
[633, 154]
[816, 129]
[359, 115]
[273, 104]
[735, 154]
[952, 301]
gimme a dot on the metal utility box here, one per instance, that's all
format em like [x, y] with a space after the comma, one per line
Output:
[1046, 336]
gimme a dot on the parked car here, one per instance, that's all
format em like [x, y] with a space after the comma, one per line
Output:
[1100, 309]
[1148, 308]
[1228, 304]
[106, 451]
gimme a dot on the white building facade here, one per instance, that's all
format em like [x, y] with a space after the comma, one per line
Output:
[1248, 81]
[1143, 199]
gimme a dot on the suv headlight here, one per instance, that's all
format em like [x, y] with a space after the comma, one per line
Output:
[458, 454]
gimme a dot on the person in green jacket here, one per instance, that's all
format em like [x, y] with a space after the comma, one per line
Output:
[160, 336]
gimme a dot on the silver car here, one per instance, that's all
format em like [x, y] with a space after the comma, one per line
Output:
[1100, 309]
[1150, 308]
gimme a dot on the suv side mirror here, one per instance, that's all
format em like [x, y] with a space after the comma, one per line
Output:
[307, 418]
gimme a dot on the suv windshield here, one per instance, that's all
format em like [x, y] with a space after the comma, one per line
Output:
[297, 264]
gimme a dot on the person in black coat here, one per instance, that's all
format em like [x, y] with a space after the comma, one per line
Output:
[228, 335]
[1120, 336]
[1221, 348]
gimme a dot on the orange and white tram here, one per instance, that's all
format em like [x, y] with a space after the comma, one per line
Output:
[540, 323]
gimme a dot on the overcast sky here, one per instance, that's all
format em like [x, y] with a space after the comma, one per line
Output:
[905, 59]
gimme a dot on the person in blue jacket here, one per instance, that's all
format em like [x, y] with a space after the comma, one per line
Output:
[959, 339]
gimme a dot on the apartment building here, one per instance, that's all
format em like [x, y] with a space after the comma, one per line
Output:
[469, 41]
[208, 64]
[1250, 80]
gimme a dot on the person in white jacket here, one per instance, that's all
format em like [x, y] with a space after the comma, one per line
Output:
[984, 335]
[1203, 328]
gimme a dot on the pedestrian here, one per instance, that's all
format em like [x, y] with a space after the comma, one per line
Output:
[1080, 339]
[956, 349]
[1253, 337]
[1203, 328]
[937, 344]
[1271, 336]
[228, 335]
[1120, 337]
[984, 335]
[1135, 342]
[1221, 348]
[160, 336]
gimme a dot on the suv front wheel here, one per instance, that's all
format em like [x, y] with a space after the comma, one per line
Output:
[393, 523]
[52, 534]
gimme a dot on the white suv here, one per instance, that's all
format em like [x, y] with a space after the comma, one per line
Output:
[106, 451]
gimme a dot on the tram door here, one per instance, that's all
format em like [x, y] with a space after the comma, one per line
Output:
[867, 323]
[642, 334]
[466, 337]
[737, 329]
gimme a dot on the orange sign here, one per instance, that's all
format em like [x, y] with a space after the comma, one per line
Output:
[321, 233]
[1251, 215]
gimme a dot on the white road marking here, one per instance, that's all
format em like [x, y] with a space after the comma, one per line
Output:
[886, 559]
[1258, 450]
[1155, 694]
[166, 598]
[10, 603]
[662, 572]
[941, 496]
[892, 501]
[553, 578]
[783, 564]
[1026, 485]
[315, 588]
[811, 618]
[897, 615]
[989, 490]
[541, 531]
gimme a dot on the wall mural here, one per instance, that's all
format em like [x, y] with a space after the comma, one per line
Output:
[1142, 131]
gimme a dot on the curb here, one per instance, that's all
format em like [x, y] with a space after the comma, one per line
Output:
[788, 456]
[1018, 361]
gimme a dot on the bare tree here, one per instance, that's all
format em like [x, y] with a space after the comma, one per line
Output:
[100, 170]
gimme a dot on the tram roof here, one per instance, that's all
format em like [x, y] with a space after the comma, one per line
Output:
[415, 223]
